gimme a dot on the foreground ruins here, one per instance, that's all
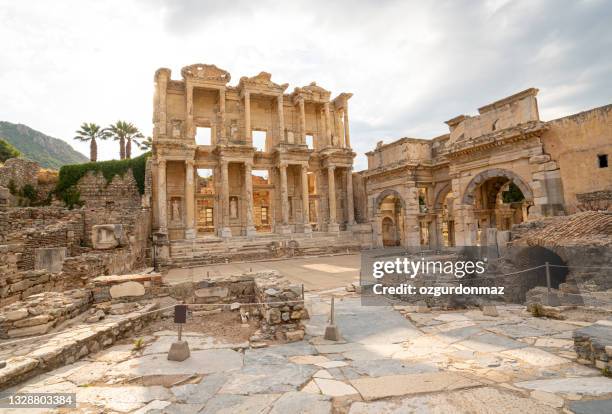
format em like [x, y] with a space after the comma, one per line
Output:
[248, 211]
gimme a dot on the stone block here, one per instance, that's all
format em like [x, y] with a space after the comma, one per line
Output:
[294, 336]
[33, 321]
[179, 351]
[30, 330]
[16, 314]
[107, 236]
[127, 289]
[214, 291]
[50, 259]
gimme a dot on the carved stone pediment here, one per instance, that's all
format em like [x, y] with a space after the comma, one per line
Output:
[313, 92]
[205, 72]
[262, 81]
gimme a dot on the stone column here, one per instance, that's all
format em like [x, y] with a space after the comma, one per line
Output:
[305, 200]
[248, 193]
[349, 196]
[247, 116]
[189, 128]
[221, 126]
[225, 230]
[347, 135]
[284, 200]
[161, 196]
[161, 91]
[302, 121]
[331, 189]
[189, 200]
[328, 128]
[281, 119]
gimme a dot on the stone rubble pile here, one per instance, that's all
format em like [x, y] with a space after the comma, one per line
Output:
[39, 313]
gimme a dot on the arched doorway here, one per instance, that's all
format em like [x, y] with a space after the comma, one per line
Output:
[536, 257]
[499, 199]
[389, 232]
[389, 212]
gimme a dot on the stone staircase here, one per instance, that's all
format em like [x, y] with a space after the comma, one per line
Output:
[210, 250]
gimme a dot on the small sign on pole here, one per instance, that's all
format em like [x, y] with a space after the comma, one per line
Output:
[179, 350]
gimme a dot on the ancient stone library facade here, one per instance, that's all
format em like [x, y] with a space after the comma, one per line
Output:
[248, 161]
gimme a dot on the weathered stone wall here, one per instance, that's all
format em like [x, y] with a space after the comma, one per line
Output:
[575, 142]
[20, 171]
[120, 192]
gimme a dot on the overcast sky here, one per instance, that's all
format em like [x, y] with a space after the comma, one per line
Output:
[410, 65]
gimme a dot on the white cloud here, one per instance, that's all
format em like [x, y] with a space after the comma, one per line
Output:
[410, 65]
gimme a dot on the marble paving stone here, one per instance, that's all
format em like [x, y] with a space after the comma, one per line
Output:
[593, 386]
[554, 343]
[398, 385]
[308, 359]
[334, 388]
[591, 407]
[473, 401]
[115, 353]
[458, 334]
[382, 367]
[451, 317]
[268, 379]
[239, 404]
[201, 392]
[153, 407]
[122, 399]
[322, 373]
[331, 364]
[200, 362]
[311, 388]
[177, 408]
[489, 342]
[278, 354]
[83, 372]
[301, 403]
[535, 356]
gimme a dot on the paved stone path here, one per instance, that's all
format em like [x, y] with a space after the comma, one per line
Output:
[391, 360]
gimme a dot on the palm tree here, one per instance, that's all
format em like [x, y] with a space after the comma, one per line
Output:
[146, 144]
[125, 133]
[91, 132]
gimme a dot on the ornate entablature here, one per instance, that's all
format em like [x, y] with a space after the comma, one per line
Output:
[312, 93]
[206, 73]
[496, 139]
[341, 100]
[262, 84]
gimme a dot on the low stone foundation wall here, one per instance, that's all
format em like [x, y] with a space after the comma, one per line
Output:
[39, 313]
[68, 347]
[593, 344]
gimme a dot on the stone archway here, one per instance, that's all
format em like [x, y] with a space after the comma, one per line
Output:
[386, 193]
[469, 192]
[389, 232]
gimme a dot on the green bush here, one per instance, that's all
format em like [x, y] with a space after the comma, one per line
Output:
[71, 198]
[12, 187]
[29, 192]
[7, 151]
[69, 175]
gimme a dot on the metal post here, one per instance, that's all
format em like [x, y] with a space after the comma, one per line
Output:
[180, 331]
[547, 277]
[302, 291]
[332, 318]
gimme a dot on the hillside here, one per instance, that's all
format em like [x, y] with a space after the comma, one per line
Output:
[49, 152]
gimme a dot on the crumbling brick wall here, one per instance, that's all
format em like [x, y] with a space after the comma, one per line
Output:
[20, 171]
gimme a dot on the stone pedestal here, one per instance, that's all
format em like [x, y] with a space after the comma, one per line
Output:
[225, 232]
[190, 234]
[250, 231]
[332, 333]
[179, 351]
[333, 227]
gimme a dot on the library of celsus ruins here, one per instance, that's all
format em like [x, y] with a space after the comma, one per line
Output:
[251, 163]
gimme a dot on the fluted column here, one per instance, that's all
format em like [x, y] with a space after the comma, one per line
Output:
[305, 200]
[161, 196]
[281, 119]
[225, 230]
[189, 200]
[221, 126]
[349, 196]
[328, 127]
[284, 200]
[302, 121]
[189, 128]
[347, 134]
[248, 194]
[331, 188]
[247, 116]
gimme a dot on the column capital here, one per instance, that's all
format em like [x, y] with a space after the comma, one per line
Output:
[331, 167]
[161, 162]
[304, 167]
[190, 163]
[283, 165]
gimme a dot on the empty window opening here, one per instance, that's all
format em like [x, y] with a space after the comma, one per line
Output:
[264, 215]
[259, 140]
[260, 177]
[603, 160]
[203, 136]
[205, 182]
[310, 141]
